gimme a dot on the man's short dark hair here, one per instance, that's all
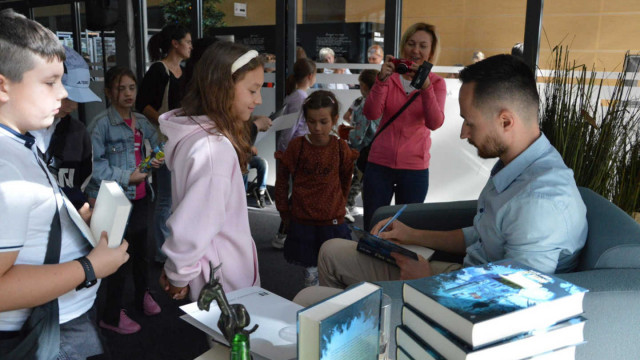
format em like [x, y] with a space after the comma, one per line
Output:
[503, 79]
[20, 40]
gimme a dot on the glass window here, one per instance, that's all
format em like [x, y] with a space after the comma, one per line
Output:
[596, 35]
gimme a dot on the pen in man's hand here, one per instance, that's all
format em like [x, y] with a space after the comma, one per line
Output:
[393, 218]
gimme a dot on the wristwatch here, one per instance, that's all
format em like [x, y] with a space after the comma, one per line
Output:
[90, 276]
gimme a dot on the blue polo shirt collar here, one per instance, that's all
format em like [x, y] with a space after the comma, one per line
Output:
[502, 176]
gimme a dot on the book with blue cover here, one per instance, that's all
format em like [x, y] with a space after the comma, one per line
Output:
[381, 249]
[531, 343]
[483, 304]
[343, 327]
[413, 346]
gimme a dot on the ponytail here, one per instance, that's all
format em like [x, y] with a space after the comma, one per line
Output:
[159, 44]
[290, 84]
[301, 69]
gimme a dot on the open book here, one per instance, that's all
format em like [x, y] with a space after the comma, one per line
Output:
[110, 214]
[380, 248]
[275, 337]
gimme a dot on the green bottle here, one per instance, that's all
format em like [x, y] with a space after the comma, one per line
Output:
[240, 347]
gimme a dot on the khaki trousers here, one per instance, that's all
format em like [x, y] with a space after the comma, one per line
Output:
[341, 265]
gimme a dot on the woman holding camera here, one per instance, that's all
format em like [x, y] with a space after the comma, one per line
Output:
[398, 161]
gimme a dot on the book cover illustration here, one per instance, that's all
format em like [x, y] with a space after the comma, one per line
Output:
[353, 332]
[485, 292]
[382, 249]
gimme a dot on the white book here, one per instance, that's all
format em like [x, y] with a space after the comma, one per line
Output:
[110, 214]
[343, 327]
[275, 337]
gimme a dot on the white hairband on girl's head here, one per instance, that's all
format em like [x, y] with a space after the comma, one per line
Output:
[243, 60]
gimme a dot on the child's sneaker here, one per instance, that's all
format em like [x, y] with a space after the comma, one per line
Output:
[278, 241]
[348, 216]
[149, 305]
[353, 210]
[125, 326]
[311, 276]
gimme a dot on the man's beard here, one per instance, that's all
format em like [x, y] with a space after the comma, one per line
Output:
[492, 148]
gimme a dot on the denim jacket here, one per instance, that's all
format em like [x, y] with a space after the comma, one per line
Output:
[113, 149]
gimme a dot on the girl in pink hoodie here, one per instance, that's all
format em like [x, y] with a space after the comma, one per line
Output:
[207, 151]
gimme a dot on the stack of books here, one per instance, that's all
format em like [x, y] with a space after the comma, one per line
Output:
[501, 310]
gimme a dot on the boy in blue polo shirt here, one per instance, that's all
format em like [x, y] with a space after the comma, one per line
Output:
[47, 269]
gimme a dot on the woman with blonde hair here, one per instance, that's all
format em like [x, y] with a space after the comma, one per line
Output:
[398, 162]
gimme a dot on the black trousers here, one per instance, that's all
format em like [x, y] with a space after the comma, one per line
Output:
[138, 265]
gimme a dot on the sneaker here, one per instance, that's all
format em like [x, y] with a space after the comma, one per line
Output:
[125, 326]
[149, 305]
[259, 198]
[278, 241]
[349, 217]
[311, 276]
[354, 210]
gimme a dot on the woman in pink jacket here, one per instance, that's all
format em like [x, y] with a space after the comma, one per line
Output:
[207, 152]
[399, 156]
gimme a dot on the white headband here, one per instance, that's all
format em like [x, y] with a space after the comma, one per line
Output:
[243, 60]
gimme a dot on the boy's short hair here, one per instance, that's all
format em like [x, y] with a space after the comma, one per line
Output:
[20, 39]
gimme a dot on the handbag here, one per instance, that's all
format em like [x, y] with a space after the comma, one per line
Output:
[363, 158]
[39, 337]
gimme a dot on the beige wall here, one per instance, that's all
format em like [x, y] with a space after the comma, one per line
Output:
[598, 31]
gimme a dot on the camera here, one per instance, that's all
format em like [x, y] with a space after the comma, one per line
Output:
[402, 65]
[421, 75]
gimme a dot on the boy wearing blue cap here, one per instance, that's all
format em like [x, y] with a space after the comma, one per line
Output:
[66, 144]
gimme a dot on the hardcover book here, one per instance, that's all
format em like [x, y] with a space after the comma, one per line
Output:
[401, 354]
[110, 214]
[484, 304]
[381, 249]
[413, 346]
[343, 327]
[559, 335]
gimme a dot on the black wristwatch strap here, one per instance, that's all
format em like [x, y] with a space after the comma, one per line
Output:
[90, 276]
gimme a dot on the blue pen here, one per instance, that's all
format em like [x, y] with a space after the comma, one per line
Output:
[393, 218]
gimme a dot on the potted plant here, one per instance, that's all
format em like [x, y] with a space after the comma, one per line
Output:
[596, 129]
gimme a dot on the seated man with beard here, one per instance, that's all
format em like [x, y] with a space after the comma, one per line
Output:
[530, 210]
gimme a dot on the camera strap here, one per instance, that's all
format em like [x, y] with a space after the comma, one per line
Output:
[395, 116]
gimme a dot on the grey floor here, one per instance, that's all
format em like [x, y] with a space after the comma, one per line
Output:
[166, 336]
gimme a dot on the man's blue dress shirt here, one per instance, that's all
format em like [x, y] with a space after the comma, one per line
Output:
[529, 211]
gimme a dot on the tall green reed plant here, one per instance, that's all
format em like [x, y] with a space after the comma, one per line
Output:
[600, 143]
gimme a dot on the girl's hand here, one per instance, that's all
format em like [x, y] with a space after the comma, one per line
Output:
[137, 177]
[105, 260]
[155, 163]
[387, 68]
[263, 123]
[347, 116]
[254, 151]
[176, 293]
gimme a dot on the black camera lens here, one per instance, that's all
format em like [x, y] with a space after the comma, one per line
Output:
[402, 68]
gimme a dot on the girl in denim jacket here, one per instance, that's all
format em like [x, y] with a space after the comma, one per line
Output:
[118, 137]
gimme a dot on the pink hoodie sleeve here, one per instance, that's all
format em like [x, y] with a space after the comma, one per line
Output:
[198, 216]
[433, 102]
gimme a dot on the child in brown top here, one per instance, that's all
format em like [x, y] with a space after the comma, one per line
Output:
[320, 166]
